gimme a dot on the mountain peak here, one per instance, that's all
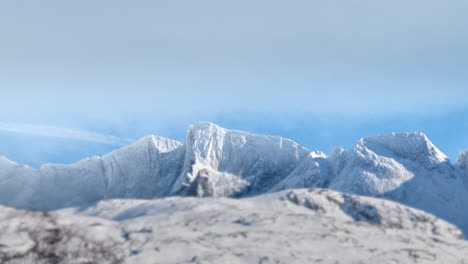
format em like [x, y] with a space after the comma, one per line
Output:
[411, 145]
[203, 124]
[161, 143]
[232, 158]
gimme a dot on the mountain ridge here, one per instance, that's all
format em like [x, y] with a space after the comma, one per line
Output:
[214, 161]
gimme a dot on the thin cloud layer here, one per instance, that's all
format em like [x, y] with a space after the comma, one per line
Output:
[61, 132]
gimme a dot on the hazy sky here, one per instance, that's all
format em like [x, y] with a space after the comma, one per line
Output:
[323, 73]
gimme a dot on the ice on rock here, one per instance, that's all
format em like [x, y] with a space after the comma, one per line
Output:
[250, 163]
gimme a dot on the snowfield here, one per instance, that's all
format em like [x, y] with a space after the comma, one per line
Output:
[132, 205]
[293, 226]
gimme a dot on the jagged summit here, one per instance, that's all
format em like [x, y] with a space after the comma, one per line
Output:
[235, 162]
[414, 145]
[383, 163]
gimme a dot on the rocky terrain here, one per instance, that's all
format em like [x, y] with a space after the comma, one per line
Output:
[227, 196]
[294, 226]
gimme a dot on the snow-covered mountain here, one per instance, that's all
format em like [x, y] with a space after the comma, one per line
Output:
[293, 226]
[144, 169]
[221, 162]
[405, 167]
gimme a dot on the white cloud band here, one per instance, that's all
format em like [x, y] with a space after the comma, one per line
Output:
[60, 132]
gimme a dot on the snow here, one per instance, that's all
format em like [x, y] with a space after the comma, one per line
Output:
[44, 238]
[217, 162]
[255, 162]
[407, 168]
[362, 170]
[313, 171]
[144, 169]
[415, 146]
[292, 226]
[404, 167]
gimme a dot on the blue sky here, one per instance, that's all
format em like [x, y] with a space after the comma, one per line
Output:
[323, 73]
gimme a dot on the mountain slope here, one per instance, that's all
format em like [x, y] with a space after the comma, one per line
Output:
[298, 226]
[214, 161]
[18, 183]
[45, 238]
[404, 167]
[144, 169]
[419, 175]
[221, 162]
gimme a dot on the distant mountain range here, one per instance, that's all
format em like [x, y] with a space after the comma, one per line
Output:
[217, 162]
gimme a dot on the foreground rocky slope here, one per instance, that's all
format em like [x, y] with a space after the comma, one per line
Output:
[28, 237]
[298, 226]
[216, 162]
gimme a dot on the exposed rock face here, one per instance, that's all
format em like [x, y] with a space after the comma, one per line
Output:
[200, 186]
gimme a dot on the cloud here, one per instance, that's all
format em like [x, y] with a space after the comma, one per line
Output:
[61, 132]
